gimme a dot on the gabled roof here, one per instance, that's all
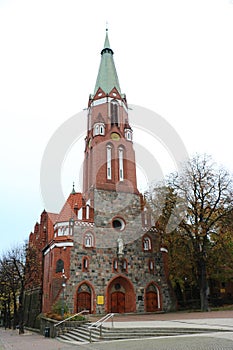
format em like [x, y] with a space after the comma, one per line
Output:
[73, 201]
[107, 77]
[53, 217]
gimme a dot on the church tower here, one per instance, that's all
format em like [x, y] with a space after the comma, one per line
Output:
[109, 156]
[109, 176]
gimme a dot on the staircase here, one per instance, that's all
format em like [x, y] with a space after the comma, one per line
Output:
[86, 334]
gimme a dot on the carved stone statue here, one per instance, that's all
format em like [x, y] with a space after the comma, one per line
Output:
[120, 246]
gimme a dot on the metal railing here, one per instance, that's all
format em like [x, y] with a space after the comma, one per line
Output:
[70, 318]
[99, 324]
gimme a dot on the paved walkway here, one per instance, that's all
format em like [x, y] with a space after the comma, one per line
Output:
[219, 340]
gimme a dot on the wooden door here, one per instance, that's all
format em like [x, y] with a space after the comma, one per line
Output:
[84, 301]
[118, 302]
[151, 301]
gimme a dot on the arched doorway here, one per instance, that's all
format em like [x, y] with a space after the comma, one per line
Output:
[118, 302]
[121, 296]
[152, 298]
[84, 297]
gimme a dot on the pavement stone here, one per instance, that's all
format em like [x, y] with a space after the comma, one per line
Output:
[218, 340]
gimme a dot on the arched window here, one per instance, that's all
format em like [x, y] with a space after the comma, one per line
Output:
[88, 240]
[121, 162]
[109, 162]
[114, 113]
[96, 129]
[60, 265]
[151, 266]
[124, 265]
[99, 129]
[128, 134]
[85, 263]
[87, 211]
[102, 129]
[146, 243]
[115, 265]
[145, 216]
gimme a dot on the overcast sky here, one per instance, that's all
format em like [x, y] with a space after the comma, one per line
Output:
[172, 57]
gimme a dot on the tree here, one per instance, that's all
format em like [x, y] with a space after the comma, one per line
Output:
[197, 201]
[18, 268]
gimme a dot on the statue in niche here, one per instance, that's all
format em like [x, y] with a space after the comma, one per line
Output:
[120, 246]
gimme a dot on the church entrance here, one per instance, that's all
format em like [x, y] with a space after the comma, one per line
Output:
[84, 298]
[152, 298]
[118, 302]
[121, 296]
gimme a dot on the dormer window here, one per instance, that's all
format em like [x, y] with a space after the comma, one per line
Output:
[128, 134]
[99, 129]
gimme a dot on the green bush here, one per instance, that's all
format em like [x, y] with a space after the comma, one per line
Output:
[57, 308]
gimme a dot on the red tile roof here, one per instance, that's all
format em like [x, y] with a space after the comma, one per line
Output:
[53, 217]
[74, 200]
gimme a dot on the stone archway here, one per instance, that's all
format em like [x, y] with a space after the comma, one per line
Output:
[121, 296]
[152, 298]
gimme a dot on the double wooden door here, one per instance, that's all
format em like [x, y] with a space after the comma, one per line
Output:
[84, 301]
[118, 302]
[151, 301]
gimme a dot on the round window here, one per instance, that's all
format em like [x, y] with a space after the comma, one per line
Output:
[118, 224]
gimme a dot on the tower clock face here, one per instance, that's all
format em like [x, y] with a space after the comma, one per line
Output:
[115, 136]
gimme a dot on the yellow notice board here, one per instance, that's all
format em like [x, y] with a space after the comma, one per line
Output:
[100, 299]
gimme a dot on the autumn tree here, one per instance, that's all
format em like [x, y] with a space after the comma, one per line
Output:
[18, 267]
[189, 211]
[10, 287]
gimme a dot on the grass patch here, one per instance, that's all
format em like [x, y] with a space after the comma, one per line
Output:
[222, 308]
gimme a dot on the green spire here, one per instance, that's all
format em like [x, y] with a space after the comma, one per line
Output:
[106, 43]
[107, 77]
[73, 189]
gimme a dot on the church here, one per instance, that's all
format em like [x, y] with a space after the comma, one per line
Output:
[102, 252]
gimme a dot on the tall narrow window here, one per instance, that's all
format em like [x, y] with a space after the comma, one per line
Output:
[145, 216]
[85, 263]
[114, 113]
[121, 168]
[115, 265]
[109, 162]
[59, 265]
[87, 211]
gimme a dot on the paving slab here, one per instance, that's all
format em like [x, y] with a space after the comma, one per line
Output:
[218, 340]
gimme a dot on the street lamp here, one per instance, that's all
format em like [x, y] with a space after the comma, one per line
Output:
[63, 293]
[63, 300]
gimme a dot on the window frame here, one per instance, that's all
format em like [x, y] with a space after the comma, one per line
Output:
[88, 237]
[146, 243]
[109, 162]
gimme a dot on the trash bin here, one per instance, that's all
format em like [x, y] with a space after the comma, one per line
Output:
[47, 332]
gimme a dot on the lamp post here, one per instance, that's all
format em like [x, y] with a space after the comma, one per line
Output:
[63, 293]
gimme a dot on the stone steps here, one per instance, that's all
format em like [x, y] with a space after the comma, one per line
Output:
[82, 333]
